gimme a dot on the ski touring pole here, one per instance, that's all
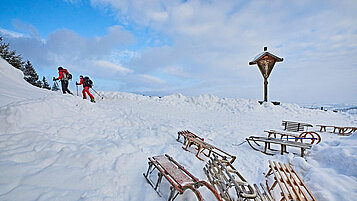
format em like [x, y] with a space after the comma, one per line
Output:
[97, 93]
[56, 84]
[77, 88]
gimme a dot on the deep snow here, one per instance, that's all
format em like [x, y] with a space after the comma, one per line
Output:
[60, 147]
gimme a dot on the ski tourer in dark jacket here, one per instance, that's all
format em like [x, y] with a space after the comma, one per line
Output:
[86, 87]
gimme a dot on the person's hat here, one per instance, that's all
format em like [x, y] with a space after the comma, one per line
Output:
[60, 68]
[81, 76]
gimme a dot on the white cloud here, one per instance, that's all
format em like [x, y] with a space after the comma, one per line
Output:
[213, 41]
[12, 34]
[149, 78]
[111, 66]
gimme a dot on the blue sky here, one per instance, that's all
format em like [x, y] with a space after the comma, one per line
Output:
[159, 47]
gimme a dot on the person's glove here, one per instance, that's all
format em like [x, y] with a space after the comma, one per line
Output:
[77, 83]
[54, 79]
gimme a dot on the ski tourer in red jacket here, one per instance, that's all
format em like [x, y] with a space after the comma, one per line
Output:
[85, 90]
[64, 79]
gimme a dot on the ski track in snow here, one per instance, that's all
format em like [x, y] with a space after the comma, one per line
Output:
[60, 147]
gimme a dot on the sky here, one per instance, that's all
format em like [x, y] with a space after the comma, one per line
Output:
[158, 47]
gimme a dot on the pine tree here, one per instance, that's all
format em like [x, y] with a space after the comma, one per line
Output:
[38, 84]
[45, 83]
[10, 56]
[29, 71]
[30, 74]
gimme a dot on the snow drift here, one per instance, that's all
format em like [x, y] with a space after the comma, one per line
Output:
[60, 147]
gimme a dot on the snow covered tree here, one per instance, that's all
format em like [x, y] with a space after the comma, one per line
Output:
[30, 74]
[45, 83]
[29, 71]
[38, 84]
[10, 56]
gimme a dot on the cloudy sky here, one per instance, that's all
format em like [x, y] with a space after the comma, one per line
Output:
[192, 47]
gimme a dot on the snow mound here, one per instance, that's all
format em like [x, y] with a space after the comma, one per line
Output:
[13, 87]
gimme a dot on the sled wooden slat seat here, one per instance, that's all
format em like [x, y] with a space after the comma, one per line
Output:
[187, 134]
[291, 186]
[295, 126]
[306, 136]
[283, 145]
[202, 146]
[347, 130]
[173, 170]
[178, 177]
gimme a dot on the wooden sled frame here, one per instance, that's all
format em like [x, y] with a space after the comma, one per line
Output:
[223, 177]
[283, 145]
[338, 129]
[201, 146]
[178, 177]
[187, 134]
[262, 194]
[305, 137]
[292, 187]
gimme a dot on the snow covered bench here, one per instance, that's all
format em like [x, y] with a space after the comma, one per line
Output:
[338, 129]
[202, 146]
[282, 143]
[306, 136]
[178, 177]
[295, 126]
[291, 186]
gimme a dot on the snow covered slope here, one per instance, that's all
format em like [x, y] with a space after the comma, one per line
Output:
[13, 87]
[60, 147]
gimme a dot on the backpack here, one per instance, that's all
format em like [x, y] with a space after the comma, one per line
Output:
[66, 74]
[88, 82]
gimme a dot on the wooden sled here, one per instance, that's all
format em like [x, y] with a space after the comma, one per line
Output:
[291, 186]
[224, 177]
[305, 137]
[178, 177]
[187, 134]
[262, 194]
[202, 146]
[254, 141]
[338, 129]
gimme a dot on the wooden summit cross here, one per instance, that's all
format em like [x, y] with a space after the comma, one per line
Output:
[265, 62]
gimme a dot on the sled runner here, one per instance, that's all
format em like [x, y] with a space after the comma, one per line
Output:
[201, 146]
[291, 186]
[305, 137]
[186, 134]
[226, 180]
[178, 177]
[254, 141]
[338, 129]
